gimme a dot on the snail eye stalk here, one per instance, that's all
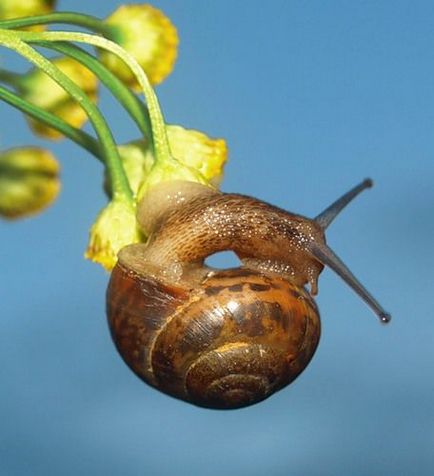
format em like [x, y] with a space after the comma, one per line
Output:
[328, 258]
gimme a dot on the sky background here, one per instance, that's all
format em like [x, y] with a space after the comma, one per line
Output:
[311, 97]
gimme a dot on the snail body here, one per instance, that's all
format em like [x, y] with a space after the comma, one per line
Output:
[220, 338]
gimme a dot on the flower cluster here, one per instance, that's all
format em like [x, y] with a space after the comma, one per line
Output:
[135, 47]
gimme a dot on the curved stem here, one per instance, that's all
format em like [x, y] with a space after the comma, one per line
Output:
[119, 181]
[76, 135]
[161, 143]
[135, 108]
[71, 18]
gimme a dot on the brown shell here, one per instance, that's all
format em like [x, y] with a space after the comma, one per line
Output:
[232, 342]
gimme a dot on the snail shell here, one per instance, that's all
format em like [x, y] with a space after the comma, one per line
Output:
[233, 341]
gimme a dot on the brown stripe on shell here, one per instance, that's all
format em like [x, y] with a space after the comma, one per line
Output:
[236, 288]
[259, 287]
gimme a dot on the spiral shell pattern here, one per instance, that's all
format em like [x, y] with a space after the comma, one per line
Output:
[231, 342]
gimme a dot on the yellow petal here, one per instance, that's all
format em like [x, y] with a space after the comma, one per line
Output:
[29, 181]
[199, 151]
[148, 35]
[114, 228]
[170, 171]
[191, 148]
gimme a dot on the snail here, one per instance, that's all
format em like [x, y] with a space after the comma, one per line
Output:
[222, 338]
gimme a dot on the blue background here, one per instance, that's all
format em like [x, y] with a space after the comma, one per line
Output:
[312, 97]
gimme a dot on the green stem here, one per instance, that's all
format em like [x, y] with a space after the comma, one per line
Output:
[76, 135]
[161, 143]
[71, 18]
[119, 181]
[135, 108]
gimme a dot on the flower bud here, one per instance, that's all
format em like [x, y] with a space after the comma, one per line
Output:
[148, 35]
[18, 8]
[29, 181]
[170, 171]
[199, 157]
[197, 150]
[114, 228]
[39, 89]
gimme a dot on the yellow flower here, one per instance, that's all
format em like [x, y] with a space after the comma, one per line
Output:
[197, 150]
[148, 35]
[19, 8]
[29, 181]
[114, 228]
[170, 171]
[204, 158]
[39, 89]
